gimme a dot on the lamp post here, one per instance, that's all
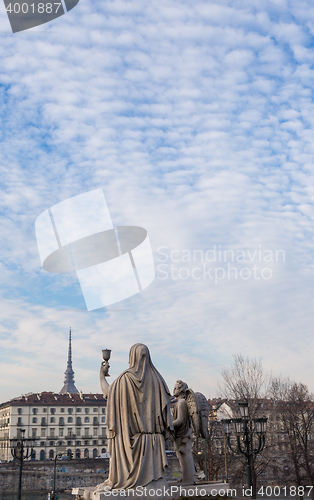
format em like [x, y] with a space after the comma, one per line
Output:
[250, 437]
[20, 449]
[58, 456]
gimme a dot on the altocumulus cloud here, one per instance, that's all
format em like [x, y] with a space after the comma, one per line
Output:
[197, 121]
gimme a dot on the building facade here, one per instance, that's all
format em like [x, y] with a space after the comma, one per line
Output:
[68, 421]
[56, 422]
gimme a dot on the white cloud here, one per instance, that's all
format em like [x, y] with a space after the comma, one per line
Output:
[196, 120]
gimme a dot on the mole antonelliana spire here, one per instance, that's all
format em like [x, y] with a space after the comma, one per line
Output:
[69, 385]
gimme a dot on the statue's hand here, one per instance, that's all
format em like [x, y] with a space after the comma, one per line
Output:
[104, 369]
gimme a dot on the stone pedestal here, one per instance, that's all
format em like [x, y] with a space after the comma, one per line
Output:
[158, 491]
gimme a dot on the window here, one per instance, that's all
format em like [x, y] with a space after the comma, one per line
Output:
[43, 421]
[103, 410]
[51, 443]
[95, 431]
[61, 432]
[52, 411]
[70, 420]
[86, 453]
[19, 411]
[69, 443]
[34, 420]
[62, 410]
[34, 433]
[61, 420]
[95, 409]
[95, 454]
[95, 421]
[42, 443]
[52, 432]
[95, 442]
[103, 431]
[70, 410]
[86, 419]
[45, 410]
[19, 421]
[78, 410]
[78, 443]
[86, 410]
[70, 432]
[42, 453]
[51, 454]
[86, 431]
[78, 432]
[103, 419]
[78, 421]
[52, 420]
[43, 433]
[86, 443]
[35, 411]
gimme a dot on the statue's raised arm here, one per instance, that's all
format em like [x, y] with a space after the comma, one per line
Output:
[104, 372]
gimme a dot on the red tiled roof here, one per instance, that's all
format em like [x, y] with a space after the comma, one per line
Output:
[56, 399]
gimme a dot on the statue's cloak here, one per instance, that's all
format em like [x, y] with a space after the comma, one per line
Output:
[138, 420]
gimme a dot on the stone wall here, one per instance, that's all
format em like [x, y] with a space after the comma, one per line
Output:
[35, 479]
[43, 481]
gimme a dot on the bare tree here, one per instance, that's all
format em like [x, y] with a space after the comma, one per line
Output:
[246, 381]
[295, 407]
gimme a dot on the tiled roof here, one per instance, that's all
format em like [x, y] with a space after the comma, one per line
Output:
[56, 399]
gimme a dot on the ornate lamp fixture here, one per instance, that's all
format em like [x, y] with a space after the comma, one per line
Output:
[250, 436]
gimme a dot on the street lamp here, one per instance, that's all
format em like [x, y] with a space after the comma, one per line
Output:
[59, 456]
[250, 436]
[21, 449]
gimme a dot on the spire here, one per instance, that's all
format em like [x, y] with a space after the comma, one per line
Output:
[69, 373]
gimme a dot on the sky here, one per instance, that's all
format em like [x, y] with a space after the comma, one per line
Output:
[196, 120]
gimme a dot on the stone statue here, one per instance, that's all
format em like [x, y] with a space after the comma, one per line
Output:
[183, 434]
[138, 421]
[191, 410]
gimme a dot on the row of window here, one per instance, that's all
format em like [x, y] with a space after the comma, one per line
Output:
[42, 444]
[78, 453]
[70, 432]
[62, 420]
[62, 410]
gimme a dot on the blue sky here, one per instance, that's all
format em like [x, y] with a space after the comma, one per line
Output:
[196, 119]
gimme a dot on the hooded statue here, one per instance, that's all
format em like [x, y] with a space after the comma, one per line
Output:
[138, 421]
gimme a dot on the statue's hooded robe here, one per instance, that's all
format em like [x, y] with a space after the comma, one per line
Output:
[138, 420]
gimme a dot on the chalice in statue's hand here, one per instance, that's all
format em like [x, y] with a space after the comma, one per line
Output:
[105, 364]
